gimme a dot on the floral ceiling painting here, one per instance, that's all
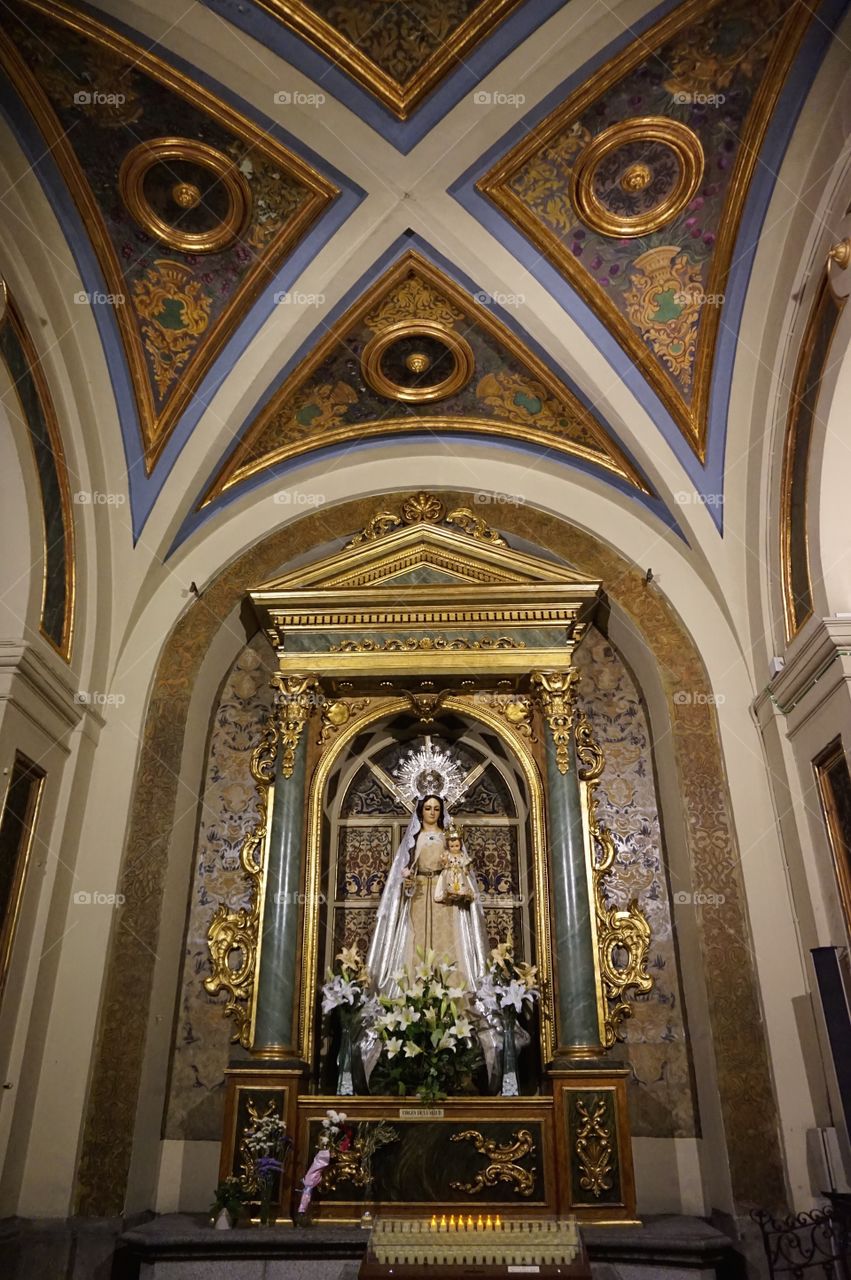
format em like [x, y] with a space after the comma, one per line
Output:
[634, 186]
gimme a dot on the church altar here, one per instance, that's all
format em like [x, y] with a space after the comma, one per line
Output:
[424, 703]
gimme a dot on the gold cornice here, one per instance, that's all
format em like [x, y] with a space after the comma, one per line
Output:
[612, 458]
[397, 97]
[156, 428]
[13, 317]
[691, 418]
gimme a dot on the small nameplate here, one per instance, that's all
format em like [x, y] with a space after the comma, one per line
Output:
[421, 1113]
[524, 1268]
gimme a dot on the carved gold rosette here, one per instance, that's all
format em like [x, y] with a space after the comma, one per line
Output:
[623, 935]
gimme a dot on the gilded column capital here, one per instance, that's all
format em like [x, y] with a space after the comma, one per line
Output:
[295, 699]
[556, 695]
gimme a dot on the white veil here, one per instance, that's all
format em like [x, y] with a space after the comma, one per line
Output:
[387, 950]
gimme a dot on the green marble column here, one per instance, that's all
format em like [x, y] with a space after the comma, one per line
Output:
[282, 911]
[577, 1011]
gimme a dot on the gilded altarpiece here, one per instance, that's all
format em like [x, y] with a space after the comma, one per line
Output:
[474, 656]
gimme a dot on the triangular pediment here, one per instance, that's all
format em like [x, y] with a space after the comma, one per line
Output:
[422, 556]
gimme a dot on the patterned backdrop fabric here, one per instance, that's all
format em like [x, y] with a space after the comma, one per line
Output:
[661, 1098]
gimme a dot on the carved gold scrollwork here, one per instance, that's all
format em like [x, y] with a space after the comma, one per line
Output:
[337, 713]
[425, 508]
[557, 689]
[594, 1148]
[426, 643]
[623, 935]
[232, 934]
[503, 1165]
[475, 526]
[346, 1166]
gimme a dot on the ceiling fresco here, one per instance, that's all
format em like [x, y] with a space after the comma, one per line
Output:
[633, 191]
[398, 52]
[399, 67]
[190, 207]
[634, 185]
[416, 352]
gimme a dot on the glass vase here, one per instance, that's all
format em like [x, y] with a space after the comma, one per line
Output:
[345, 1087]
[509, 1054]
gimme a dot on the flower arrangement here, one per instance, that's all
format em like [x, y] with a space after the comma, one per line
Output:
[334, 1136]
[229, 1195]
[264, 1148]
[508, 984]
[348, 987]
[428, 1044]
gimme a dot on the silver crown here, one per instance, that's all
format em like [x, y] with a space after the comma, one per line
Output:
[430, 771]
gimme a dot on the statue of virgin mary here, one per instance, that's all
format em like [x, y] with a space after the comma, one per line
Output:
[414, 914]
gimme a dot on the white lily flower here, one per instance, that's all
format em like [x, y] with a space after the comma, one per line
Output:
[411, 1049]
[393, 1046]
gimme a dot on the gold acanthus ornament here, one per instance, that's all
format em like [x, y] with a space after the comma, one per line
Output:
[621, 933]
[504, 1162]
[426, 508]
[594, 1148]
[438, 643]
[556, 694]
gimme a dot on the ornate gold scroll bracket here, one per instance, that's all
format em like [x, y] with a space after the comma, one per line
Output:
[623, 935]
[504, 1166]
[594, 1148]
[556, 692]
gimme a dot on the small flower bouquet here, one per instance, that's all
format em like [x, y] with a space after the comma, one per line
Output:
[334, 1136]
[508, 982]
[229, 1198]
[507, 987]
[264, 1148]
[347, 987]
[428, 1044]
[346, 991]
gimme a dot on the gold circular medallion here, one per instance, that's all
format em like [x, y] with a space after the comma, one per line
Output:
[417, 361]
[185, 194]
[636, 176]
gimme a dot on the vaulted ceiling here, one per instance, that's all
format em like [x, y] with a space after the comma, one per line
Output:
[313, 204]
